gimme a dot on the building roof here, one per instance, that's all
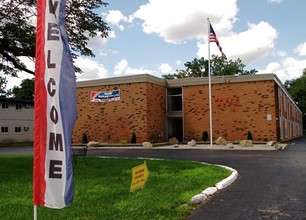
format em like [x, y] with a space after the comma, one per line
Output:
[177, 82]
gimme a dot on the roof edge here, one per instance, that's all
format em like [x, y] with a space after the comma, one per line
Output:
[219, 80]
[123, 80]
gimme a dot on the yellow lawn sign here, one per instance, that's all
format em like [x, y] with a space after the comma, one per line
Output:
[140, 175]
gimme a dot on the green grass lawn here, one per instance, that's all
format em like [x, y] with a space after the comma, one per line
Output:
[102, 189]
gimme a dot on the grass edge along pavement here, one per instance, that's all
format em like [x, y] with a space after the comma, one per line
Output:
[102, 189]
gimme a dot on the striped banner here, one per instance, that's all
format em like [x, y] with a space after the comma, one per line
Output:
[55, 108]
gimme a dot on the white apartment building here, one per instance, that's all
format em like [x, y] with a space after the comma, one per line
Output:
[16, 120]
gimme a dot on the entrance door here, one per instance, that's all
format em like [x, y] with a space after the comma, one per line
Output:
[175, 128]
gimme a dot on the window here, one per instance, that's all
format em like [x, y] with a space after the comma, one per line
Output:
[174, 99]
[17, 129]
[4, 130]
[18, 106]
[5, 105]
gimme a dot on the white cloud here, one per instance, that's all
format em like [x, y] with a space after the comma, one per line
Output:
[178, 62]
[165, 68]
[99, 41]
[272, 67]
[91, 69]
[301, 49]
[274, 1]
[115, 17]
[123, 68]
[287, 69]
[293, 67]
[281, 53]
[187, 20]
[177, 21]
[132, 71]
[253, 44]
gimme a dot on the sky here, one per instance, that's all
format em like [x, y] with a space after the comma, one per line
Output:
[158, 36]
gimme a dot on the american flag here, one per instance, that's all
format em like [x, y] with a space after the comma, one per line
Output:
[213, 38]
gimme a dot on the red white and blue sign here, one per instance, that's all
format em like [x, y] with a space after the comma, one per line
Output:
[55, 108]
[106, 96]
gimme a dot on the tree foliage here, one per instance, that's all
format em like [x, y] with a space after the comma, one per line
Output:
[220, 66]
[3, 83]
[297, 90]
[18, 31]
[24, 91]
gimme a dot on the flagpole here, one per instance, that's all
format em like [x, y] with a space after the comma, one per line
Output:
[209, 86]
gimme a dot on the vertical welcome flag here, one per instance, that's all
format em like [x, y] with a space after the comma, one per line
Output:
[55, 108]
[213, 38]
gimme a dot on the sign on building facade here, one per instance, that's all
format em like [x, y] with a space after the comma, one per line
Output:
[105, 96]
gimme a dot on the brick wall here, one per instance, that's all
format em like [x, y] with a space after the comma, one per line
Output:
[140, 110]
[289, 116]
[237, 109]
[156, 111]
[258, 104]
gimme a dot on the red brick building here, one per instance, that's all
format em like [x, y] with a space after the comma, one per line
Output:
[110, 110]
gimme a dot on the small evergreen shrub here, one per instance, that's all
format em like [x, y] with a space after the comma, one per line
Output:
[205, 136]
[133, 139]
[250, 136]
[84, 138]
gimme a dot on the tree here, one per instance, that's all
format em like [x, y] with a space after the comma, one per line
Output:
[297, 90]
[18, 31]
[194, 68]
[24, 91]
[220, 66]
[3, 83]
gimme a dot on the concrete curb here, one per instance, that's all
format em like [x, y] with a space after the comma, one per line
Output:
[200, 147]
[210, 191]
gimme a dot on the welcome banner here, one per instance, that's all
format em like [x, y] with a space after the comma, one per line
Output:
[107, 96]
[55, 108]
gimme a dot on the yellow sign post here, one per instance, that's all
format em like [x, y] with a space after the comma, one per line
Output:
[139, 176]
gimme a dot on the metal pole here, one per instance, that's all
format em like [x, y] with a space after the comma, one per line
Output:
[35, 212]
[209, 87]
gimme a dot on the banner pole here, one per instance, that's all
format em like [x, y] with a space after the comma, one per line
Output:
[35, 212]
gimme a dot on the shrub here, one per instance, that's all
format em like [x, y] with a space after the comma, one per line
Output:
[205, 136]
[122, 142]
[250, 136]
[107, 138]
[156, 136]
[84, 138]
[133, 139]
